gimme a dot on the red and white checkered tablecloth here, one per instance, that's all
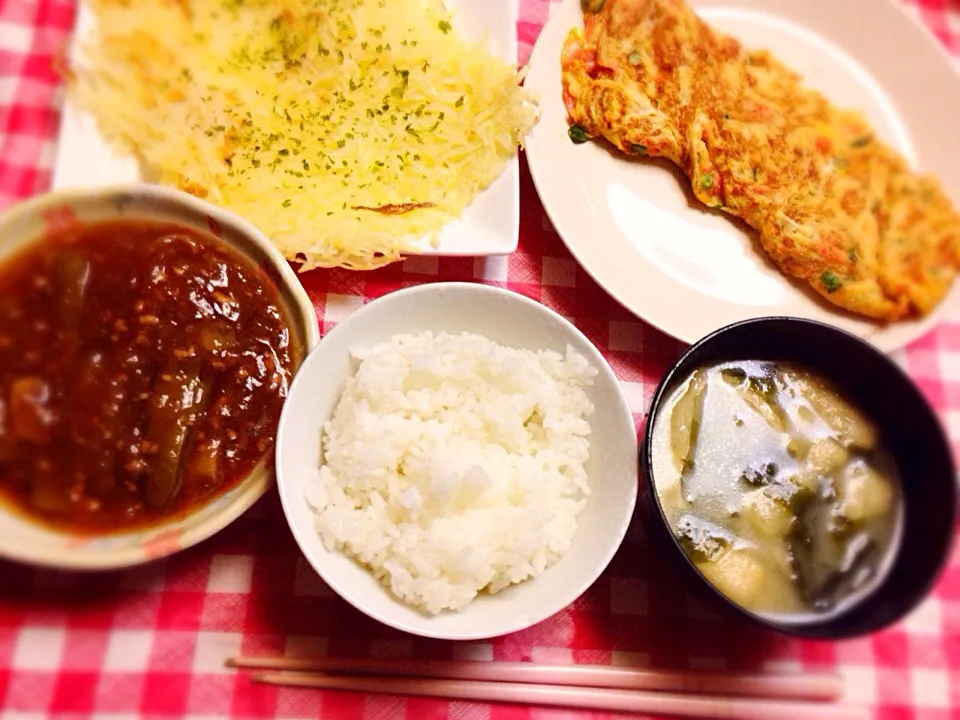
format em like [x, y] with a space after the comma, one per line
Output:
[151, 642]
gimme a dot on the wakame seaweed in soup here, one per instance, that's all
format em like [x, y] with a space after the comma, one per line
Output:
[778, 489]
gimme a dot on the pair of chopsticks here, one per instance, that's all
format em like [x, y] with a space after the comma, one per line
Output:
[595, 687]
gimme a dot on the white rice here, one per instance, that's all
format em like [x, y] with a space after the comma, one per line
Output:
[453, 465]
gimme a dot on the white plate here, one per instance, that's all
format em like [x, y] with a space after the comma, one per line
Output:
[506, 318]
[489, 226]
[688, 270]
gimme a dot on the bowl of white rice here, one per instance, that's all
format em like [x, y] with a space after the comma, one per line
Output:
[457, 461]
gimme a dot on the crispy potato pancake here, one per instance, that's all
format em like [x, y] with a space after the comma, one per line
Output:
[832, 204]
[350, 132]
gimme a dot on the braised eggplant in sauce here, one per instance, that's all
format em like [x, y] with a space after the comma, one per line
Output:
[143, 367]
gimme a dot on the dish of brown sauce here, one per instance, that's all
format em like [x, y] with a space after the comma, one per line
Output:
[143, 367]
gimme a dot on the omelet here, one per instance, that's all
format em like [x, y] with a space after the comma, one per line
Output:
[832, 205]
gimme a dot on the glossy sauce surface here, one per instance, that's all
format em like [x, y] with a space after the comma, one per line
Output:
[143, 367]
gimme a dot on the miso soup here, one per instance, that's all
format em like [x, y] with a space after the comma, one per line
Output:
[778, 488]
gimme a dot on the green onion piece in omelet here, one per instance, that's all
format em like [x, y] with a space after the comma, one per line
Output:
[830, 281]
[578, 134]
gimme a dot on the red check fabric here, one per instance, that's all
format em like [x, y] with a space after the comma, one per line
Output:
[150, 642]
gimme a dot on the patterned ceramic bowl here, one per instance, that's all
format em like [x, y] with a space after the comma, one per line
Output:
[27, 541]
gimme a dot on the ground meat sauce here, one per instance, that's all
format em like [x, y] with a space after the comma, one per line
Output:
[143, 367]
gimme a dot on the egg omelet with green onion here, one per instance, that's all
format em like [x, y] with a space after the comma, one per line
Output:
[832, 205]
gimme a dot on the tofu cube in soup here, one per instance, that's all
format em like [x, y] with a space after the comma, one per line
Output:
[738, 574]
[827, 455]
[865, 493]
[766, 516]
[855, 429]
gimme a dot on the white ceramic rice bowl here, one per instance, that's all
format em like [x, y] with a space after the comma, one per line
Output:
[506, 318]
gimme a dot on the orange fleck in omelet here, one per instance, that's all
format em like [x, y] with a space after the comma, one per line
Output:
[832, 205]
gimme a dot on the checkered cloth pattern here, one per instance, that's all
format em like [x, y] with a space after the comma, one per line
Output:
[151, 642]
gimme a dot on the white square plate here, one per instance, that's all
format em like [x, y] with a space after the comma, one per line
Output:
[489, 226]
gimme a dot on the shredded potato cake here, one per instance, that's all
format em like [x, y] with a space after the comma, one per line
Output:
[349, 131]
